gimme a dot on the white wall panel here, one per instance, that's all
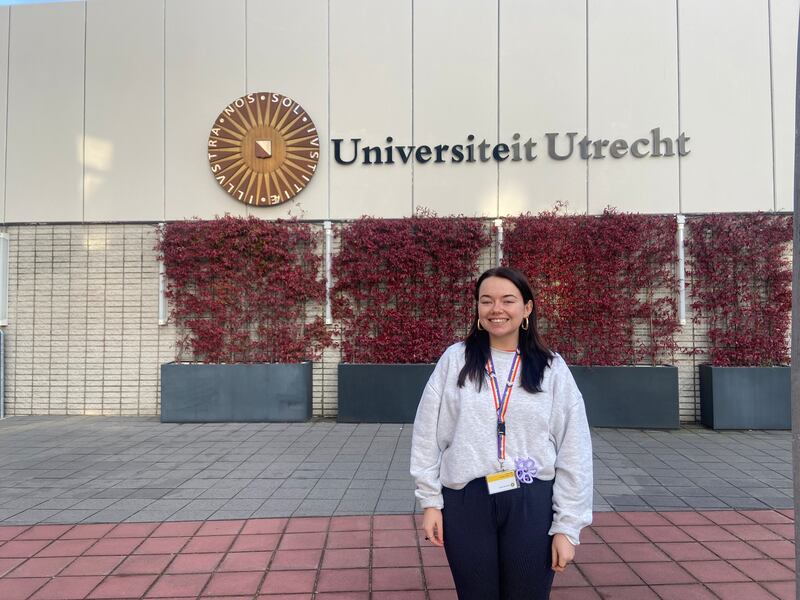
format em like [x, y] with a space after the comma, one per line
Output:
[147, 160]
[287, 53]
[455, 95]
[370, 65]
[542, 90]
[4, 31]
[124, 159]
[204, 72]
[44, 179]
[725, 106]
[633, 88]
[784, 65]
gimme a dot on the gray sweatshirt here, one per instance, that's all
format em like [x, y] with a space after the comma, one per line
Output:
[455, 436]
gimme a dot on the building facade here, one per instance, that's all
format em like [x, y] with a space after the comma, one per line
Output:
[664, 106]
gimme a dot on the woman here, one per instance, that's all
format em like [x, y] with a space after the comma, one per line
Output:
[501, 451]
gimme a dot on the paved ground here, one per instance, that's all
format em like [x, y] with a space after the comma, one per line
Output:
[96, 469]
[724, 555]
[131, 508]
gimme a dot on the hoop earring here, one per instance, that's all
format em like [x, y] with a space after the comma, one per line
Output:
[525, 324]
[479, 326]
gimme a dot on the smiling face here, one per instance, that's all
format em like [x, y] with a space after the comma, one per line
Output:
[501, 310]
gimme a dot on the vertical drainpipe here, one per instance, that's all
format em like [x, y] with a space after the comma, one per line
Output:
[498, 224]
[681, 272]
[328, 283]
[162, 286]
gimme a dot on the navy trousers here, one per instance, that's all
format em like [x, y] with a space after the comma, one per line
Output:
[498, 545]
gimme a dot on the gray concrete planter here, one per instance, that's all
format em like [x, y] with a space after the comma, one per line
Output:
[385, 393]
[219, 393]
[640, 397]
[745, 397]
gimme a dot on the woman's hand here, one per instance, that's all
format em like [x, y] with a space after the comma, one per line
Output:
[432, 524]
[563, 552]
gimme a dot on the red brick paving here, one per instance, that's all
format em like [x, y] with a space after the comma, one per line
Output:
[715, 555]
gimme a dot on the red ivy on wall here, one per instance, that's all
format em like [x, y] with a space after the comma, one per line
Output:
[604, 285]
[742, 285]
[403, 288]
[242, 290]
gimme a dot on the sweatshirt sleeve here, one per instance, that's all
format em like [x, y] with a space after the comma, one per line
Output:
[426, 454]
[573, 485]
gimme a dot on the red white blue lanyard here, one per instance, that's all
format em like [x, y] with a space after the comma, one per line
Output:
[502, 400]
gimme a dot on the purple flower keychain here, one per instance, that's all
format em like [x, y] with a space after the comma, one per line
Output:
[526, 469]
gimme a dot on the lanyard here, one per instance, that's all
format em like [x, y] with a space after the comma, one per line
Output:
[502, 400]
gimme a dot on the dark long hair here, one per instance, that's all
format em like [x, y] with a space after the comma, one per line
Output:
[535, 355]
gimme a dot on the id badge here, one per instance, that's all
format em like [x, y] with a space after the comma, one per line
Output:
[502, 481]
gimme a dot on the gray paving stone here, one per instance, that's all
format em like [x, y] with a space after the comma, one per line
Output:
[356, 506]
[664, 501]
[149, 493]
[369, 496]
[290, 493]
[242, 505]
[298, 483]
[366, 484]
[111, 493]
[612, 488]
[268, 509]
[249, 493]
[319, 493]
[384, 497]
[742, 502]
[626, 500]
[704, 502]
[316, 508]
[728, 491]
[688, 491]
[58, 503]
[332, 484]
[166, 505]
[5, 514]
[191, 515]
[133, 504]
[190, 493]
[231, 514]
[94, 504]
[109, 516]
[69, 516]
[201, 504]
[308, 473]
[137, 468]
[219, 493]
[399, 484]
[777, 501]
[32, 515]
[77, 493]
[197, 483]
[149, 516]
[394, 506]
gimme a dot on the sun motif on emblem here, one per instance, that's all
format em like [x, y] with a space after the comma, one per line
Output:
[263, 149]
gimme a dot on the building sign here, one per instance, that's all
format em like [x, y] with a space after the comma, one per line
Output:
[555, 146]
[263, 149]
